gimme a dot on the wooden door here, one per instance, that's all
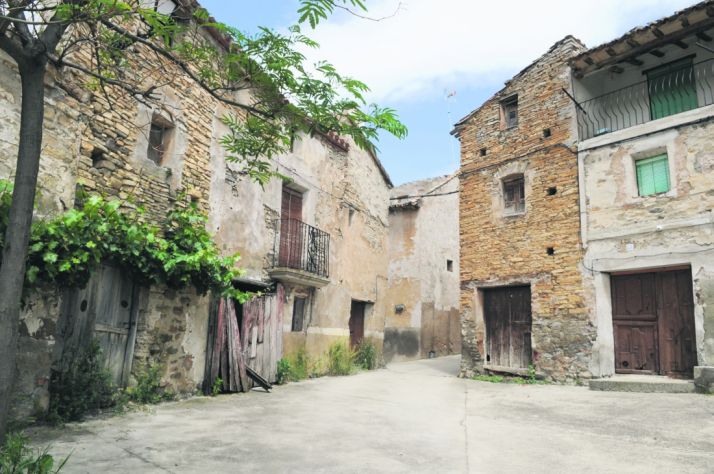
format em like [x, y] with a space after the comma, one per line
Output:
[634, 319]
[507, 314]
[290, 229]
[675, 308]
[105, 310]
[356, 323]
[653, 323]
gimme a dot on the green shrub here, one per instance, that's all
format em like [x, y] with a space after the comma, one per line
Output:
[148, 389]
[340, 359]
[17, 458]
[217, 387]
[366, 356]
[83, 387]
[300, 365]
[283, 372]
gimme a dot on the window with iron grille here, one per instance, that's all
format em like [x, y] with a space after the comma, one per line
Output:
[652, 175]
[298, 314]
[509, 112]
[514, 195]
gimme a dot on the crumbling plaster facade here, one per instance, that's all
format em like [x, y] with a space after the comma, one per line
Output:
[499, 248]
[623, 231]
[423, 296]
[346, 194]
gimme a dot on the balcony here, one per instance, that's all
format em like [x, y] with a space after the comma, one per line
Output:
[667, 92]
[301, 254]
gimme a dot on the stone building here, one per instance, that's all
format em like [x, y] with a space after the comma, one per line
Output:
[522, 298]
[422, 302]
[646, 170]
[322, 236]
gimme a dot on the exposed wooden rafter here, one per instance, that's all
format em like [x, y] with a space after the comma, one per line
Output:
[657, 53]
[635, 62]
[681, 44]
[703, 36]
[616, 69]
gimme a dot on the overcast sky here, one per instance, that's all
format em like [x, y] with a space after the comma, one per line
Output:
[430, 48]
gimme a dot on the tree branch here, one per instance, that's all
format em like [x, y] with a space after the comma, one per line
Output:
[12, 47]
[185, 68]
[364, 17]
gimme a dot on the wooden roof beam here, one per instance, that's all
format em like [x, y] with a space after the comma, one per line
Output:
[704, 37]
[657, 53]
[681, 44]
[635, 61]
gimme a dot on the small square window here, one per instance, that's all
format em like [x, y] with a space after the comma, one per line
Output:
[298, 314]
[449, 265]
[509, 112]
[653, 175]
[159, 136]
[514, 195]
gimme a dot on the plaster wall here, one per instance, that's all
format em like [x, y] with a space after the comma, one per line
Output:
[423, 295]
[624, 231]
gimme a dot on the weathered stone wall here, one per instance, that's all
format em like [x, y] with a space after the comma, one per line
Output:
[623, 231]
[498, 249]
[171, 331]
[37, 338]
[423, 235]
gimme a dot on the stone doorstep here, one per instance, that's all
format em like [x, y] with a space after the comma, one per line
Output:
[642, 384]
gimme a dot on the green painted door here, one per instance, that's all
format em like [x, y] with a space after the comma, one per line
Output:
[672, 89]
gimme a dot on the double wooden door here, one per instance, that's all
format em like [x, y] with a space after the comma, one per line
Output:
[507, 314]
[653, 323]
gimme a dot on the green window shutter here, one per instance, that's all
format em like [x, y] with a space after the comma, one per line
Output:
[672, 89]
[653, 175]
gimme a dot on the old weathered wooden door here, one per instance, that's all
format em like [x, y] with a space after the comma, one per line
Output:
[290, 229]
[106, 311]
[507, 315]
[356, 323]
[653, 323]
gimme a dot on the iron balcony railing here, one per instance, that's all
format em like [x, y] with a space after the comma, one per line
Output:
[301, 247]
[676, 91]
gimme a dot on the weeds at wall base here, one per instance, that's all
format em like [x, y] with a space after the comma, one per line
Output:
[17, 457]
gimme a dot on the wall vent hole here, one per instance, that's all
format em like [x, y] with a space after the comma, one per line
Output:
[552, 191]
[83, 306]
[483, 151]
[97, 157]
[550, 251]
[546, 132]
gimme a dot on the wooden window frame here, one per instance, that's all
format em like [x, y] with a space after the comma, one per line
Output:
[298, 320]
[517, 204]
[508, 105]
[156, 152]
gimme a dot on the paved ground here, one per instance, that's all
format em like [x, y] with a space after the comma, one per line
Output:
[412, 417]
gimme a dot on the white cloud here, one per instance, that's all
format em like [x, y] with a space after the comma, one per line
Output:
[431, 45]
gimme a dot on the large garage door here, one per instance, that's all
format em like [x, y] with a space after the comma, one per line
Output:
[653, 323]
[507, 314]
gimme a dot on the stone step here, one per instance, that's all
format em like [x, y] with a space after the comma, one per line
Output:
[642, 383]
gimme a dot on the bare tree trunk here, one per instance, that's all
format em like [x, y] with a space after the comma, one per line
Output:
[12, 270]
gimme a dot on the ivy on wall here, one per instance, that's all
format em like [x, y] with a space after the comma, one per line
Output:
[64, 250]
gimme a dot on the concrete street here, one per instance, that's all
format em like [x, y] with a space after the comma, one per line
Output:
[410, 417]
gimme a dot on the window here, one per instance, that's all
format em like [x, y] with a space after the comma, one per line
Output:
[298, 314]
[449, 265]
[509, 112]
[653, 175]
[514, 195]
[671, 88]
[159, 139]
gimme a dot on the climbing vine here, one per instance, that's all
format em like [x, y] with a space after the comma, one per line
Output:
[65, 249]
